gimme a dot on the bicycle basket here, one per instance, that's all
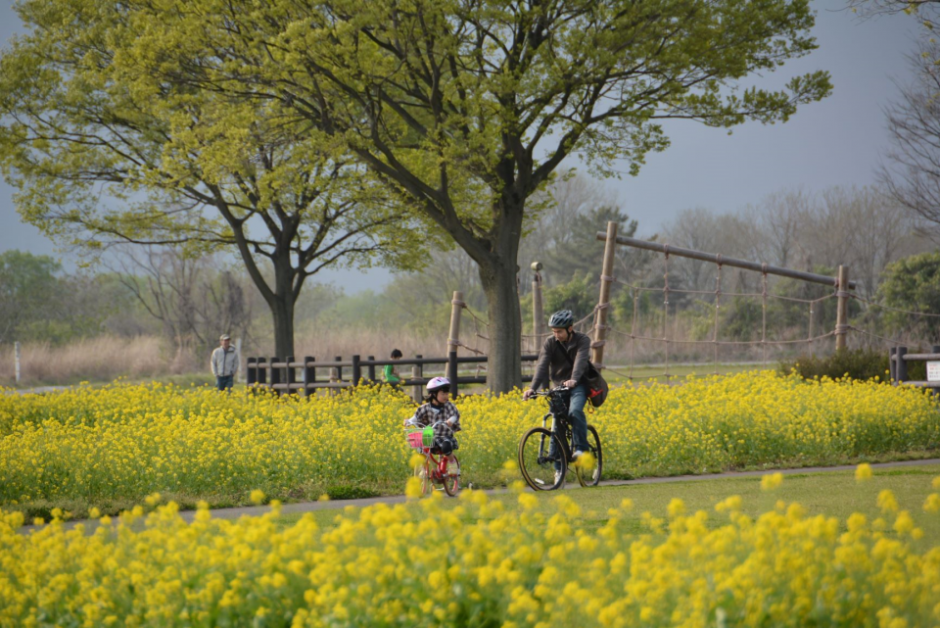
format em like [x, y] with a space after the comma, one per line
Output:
[419, 439]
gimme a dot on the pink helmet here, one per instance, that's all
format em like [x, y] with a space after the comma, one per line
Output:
[438, 383]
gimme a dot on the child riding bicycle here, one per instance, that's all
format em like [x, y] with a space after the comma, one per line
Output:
[440, 414]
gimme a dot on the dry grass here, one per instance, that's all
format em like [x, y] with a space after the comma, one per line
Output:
[104, 358]
[107, 358]
[376, 342]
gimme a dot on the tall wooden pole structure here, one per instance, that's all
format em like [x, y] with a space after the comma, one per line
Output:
[603, 301]
[842, 310]
[538, 317]
[453, 336]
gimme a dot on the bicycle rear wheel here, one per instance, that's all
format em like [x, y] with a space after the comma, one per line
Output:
[540, 451]
[589, 470]
[452, 478]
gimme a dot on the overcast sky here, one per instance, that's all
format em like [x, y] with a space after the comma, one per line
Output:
[839, 141]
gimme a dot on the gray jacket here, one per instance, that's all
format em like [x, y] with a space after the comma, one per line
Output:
[224, 362]
[578, 349]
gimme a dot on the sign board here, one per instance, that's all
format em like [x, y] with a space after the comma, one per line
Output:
[933, 371]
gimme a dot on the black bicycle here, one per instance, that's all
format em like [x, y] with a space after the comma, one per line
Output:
[545, 454]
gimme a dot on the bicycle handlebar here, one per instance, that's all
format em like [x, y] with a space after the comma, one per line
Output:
[550, 392]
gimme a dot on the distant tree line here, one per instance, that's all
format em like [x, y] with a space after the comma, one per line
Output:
[189, 299]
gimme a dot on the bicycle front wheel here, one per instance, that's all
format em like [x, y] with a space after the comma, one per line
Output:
[542, 459]
[422, 473]
[452, 478]
[589, 466]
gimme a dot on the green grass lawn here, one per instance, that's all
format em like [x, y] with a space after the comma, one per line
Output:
[833, 493]
[617, 375]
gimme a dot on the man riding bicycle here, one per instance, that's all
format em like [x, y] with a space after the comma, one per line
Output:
[565, 357]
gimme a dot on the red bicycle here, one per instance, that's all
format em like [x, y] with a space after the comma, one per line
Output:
[437, 468]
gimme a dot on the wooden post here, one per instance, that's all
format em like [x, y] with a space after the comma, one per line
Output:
[417, 371]
[538, 317]
[251, 371]
[336, 374]
[16, 358]
[310, 374]
[356, 370]
[290, 375]
[238, 352]
[371, 369]
[603, 301]
[275, 375]
[262, 372]
[892, 364]
[452, 372]
[842, 310]
[902, 364]
[453, 337]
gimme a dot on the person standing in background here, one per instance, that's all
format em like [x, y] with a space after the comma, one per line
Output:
[225, 361]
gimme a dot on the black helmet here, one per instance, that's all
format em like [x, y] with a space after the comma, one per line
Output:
[561, 318]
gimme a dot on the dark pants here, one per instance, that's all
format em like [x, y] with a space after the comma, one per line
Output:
[224, 382]
[576, 419]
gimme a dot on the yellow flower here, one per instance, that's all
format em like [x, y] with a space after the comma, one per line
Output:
[676, 508]
[413, 488]
[863, 472]
[887, 501]
[257, 496]
[771, 481]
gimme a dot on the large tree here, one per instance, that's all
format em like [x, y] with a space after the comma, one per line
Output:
[467, 107]
[103, 155]
[470, 106]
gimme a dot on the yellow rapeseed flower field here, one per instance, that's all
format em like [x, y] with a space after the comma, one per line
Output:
[479, 563]
[96, 446]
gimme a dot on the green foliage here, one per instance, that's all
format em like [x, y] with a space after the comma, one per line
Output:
[177, 161]
[29, 291]
[578, 295]
[581, 253]
[913, 285]
[349, 491]
[461, 112]
[788, 306]
[851, 363]
[38, 302]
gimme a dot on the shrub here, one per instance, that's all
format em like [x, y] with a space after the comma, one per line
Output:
[852, 363]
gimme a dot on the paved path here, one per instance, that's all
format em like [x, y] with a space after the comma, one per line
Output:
[302, 507]
[34, 391]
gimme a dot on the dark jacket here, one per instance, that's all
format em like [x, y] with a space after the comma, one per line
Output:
[578, 349]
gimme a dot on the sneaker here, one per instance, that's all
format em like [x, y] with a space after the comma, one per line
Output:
[577, 454]
[558, 477]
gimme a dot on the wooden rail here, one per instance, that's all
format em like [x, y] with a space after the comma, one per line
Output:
[281, 374]
[898, 357]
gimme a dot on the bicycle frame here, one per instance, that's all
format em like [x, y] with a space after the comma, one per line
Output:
[435, 466]
[438, 471]
[558, 412]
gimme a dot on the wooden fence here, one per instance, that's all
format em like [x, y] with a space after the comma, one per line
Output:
[281, 375]
[898, 357]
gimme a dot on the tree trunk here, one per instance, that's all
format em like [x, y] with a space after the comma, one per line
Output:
[282, 308]
[282, 311]
[504, 369]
